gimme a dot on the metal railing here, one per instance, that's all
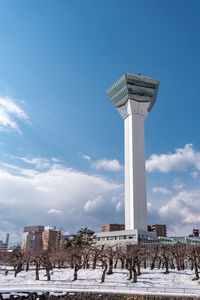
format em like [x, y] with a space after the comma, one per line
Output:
[100, 287]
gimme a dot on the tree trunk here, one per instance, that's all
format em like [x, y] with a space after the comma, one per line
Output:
[110, 263]
[178, 265]
[27, 266]
[72, 263]
[94, 263]
[115, 265]
[37, 272]
[130, 270]
[122, 263]
[48, 273]
[153, 262]
[172, 265]
[166, 266]
[134, 274]
[196, 271]
[18, 269]
[159, 263]
[76, 268]
[145, 263]
[126, 264]
[138, 269]
[104, 272]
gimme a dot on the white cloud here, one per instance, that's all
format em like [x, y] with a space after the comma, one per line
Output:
[178, 186]
[54, 211]
[10, 166]
[42, 188]
[82, 198]
[103, 164]
[10, 107]
[107, 165]
[54, 159]
[161, 190]
[92, 205]
[119, 206]
[194, 174]
[86, 157]
[149, 205]
[9, 112]
[38, 162]
[182, 210]
[181, 160]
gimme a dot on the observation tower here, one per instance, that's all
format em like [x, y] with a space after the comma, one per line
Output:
[134, 96]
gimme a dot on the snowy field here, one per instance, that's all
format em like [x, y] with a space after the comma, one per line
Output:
[155, 280]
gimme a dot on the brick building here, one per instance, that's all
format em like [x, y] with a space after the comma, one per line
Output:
[112, 227]
[160, 229]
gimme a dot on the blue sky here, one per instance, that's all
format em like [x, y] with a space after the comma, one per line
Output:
[61, 140]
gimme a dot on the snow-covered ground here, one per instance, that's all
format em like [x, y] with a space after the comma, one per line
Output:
[119, 279]
[150, 282]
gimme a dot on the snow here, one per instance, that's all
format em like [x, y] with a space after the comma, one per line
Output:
[151, 281]
[149, 278]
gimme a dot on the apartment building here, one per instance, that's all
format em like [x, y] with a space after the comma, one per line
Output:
[38, 238]
[51, 239]
[32, 238]
[4, 245]
[160, 229]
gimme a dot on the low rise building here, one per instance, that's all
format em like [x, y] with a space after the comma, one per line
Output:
[194, 233]
[123, 236]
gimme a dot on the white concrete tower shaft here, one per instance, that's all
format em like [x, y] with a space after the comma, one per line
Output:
[134, 114]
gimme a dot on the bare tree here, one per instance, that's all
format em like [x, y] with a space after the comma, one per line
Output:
[74, 253]
[36, 259]
[17, 260]
[59, 257]
[27, 259]
[95, 254]
[165, 252]
[193, 254]
[133, 255]
[47, 262]
[111, 255]
[179, 254]
[103, 259]
[121, 255]
[153, 253]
